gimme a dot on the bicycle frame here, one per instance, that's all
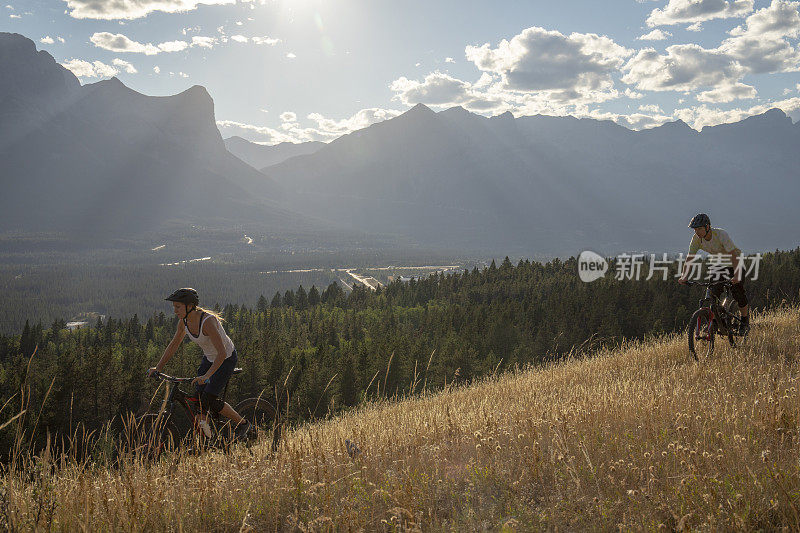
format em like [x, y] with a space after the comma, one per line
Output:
[717, 311]
[189, 402]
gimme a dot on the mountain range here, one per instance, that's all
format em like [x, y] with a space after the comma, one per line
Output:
[553, 185]
[260, 155]
[103, 159]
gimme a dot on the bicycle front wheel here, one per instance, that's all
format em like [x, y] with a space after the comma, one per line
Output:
[153, 435]
[263, 416]
[701, 334]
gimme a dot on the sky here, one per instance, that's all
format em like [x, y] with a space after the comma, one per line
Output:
[303, 70]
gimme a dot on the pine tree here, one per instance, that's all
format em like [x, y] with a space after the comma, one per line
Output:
[288, 298]
[262, 304]
[301, 300]
[277, 301]
[313, 296]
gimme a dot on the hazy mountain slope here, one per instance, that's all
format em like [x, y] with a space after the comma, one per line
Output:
[260, 156]
[552, 184]
[102, 159]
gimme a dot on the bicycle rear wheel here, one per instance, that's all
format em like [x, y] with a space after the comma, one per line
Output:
[263, 417]
[701, 334]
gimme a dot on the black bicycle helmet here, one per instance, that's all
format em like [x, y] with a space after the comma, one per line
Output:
[700, 220]
[186, 296]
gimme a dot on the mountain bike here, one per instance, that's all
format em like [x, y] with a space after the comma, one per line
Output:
[178, 422]
[717, 315]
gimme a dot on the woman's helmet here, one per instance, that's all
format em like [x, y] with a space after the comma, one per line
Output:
[186, 296]
[700, 221]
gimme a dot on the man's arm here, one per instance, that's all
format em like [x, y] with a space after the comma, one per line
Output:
[736, 261]
[694, 246]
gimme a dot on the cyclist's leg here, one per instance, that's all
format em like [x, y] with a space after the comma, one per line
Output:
[216, 386]
[199, 389]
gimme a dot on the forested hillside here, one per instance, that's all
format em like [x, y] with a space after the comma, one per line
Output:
[331, 349]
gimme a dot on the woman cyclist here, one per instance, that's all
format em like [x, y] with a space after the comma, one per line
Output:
[219, 356]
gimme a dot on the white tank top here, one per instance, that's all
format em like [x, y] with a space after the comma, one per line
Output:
[205, 341]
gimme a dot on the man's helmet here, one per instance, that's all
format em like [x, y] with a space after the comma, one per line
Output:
[185, 296]
[700, 221]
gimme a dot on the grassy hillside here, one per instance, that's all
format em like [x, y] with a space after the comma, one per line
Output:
[638, 438]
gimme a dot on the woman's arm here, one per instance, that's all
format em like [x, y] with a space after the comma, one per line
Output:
[172, 347]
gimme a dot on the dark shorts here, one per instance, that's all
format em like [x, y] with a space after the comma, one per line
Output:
[220, 378]
[737, 290]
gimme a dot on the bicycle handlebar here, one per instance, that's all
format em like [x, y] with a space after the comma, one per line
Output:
[165, 377]
[709, 283]
[173, 379]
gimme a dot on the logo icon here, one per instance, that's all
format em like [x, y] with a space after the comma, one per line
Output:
[591, 266]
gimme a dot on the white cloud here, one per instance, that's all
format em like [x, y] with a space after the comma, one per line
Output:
[727, 93]
[269, 41]
[239, 38]
[695, 11]
[685, 67]
[204, 42]
[650, 108]
[655, 35]
[449, 60]
[324, 129]
[696, 27]
[10, 7]
[701, 116]
[758, 46]
[61, 40]
[779, 19]
[46, 40]
[634, 121]
[157, 69]
[441, 89]
[132, 9]
[360, 120]
[86, 69]
[760, 43]
[762, 55]
[288, 116]
[117, 42]
[173, 46]
[15, 16]
[572, 67]
[124, 65]
[634, 95]
[291, 55]
[183, 75]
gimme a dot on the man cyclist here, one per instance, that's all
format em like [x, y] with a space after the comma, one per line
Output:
[717, 241]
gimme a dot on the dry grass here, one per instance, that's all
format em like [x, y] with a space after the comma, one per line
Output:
[638, 438]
